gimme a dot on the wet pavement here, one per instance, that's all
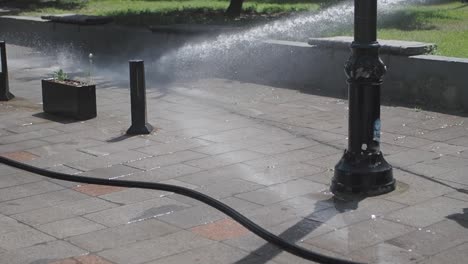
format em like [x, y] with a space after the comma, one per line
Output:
[267, 152]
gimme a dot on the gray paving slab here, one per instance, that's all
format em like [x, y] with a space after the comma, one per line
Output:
[122, 235]
[40, 201]
[69, 227]
[165, 160]
[18, 178]
[63, 210]
[152, 249]
[28, 189]
[427, 213]
[433, 239]
[194, 216]
[359, 236]
[386, 253]
[25, 237]
[154, 208]
[451, 256]
[113, 172]
[224, 159]
[225, 254]
[42, 253]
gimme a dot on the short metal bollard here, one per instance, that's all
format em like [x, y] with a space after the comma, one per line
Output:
[5, 94]
[138, 99]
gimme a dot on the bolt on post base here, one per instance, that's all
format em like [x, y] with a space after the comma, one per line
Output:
[362, 174]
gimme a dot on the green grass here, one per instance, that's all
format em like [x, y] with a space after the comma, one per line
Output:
[444, 24]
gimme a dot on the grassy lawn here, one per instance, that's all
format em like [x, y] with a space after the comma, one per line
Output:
[445, 24]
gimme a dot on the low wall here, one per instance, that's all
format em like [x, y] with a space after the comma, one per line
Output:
[428, 81]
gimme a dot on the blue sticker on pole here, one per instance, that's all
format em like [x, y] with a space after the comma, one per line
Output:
[377, 127]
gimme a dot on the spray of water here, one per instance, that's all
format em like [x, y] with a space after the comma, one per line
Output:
[227, 51]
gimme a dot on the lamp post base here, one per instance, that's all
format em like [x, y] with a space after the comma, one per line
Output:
[362, 174]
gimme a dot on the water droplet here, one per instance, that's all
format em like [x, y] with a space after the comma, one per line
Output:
[403, 125]
[419, 229]
[373, 217]
[410, 250]
[428, 231]
[27, 124]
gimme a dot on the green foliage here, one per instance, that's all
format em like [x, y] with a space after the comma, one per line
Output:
[60, 75]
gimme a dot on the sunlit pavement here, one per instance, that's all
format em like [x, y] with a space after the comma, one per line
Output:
[267, 152]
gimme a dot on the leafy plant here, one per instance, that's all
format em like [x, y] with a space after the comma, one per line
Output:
[60, 75]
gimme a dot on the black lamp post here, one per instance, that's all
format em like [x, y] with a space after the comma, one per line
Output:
[363, 171]
[5, 94]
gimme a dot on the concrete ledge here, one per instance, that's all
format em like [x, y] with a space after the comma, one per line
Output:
[394, 47]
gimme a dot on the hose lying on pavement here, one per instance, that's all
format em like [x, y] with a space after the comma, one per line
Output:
[259, 231]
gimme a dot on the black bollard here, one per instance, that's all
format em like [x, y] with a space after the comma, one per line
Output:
[138, 99]
[363, 171]
[5, 94]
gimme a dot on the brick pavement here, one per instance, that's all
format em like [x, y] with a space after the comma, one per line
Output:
[268, 152]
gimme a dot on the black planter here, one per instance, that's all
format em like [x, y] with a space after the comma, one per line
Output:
[72, 99]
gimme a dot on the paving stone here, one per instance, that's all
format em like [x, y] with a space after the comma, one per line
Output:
[234, 135]
[163, 173]
[448, 162]
[152, 249]
[58, 159]
[113, 172]
[283, 146]
[459, 176]
[97, 190]
[6, 170]
[427, 169]
[224, 254]
[127, 144]
[73, 144]
[282, 191]
[122, 235]
[270, 176]
[25, 237]
[228, 188]
[224, 159]
[28, 189]
[88, 259]
[347, 213]
[64, 210]
[240, 204]
[108, 160]
[18, 178]
[128, 196]
[413, 189]
[427, 213]
[443, 148]
[9, 225]
[154, 208]
[28, 136]
[283, 159]
[174, 146]
[69, 227]
[359, 236]
[433, 239]
[445, 134]
[218, 175]
[194, 216]
[20, 146]
[452, 256]
[459, 141]
[40, 201]
[20, 156]
[42, 253]
[164, 160]
[458, 195]
[410, 157]
[221, 230]
[404, 141]
[386, 254]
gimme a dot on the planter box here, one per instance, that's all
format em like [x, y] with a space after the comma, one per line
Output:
[72, 99]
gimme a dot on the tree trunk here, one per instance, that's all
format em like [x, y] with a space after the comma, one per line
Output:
[235, 8]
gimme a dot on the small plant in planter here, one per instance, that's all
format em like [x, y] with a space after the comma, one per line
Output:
[69, 98]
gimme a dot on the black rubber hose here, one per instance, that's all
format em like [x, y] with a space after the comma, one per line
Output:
[259, 231]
